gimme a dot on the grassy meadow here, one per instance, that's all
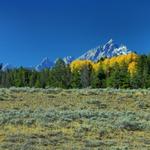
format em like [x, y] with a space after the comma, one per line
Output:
[97, 119]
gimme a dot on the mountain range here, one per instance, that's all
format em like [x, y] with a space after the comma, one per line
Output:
[107, 50]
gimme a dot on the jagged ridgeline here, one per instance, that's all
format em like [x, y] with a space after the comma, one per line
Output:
[107, 50]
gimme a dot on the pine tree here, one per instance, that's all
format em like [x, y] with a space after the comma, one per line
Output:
[98, 79]
[38, 83]
[32, 78]
[85, 76]
[76, 79]
[61, 75]
[119, 77]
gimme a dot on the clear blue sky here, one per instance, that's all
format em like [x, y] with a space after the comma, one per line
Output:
[33, 29]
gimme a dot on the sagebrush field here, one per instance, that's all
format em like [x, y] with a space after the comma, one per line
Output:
[99, 119]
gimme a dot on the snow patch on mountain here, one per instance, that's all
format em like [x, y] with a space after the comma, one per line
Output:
[7, 67]
[45, 64]
[68, 59]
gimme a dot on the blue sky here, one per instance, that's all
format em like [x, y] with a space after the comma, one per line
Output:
[33, 29]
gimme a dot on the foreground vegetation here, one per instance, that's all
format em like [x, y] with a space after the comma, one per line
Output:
[43, 119]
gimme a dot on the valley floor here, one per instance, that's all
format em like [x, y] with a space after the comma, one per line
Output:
[97, 119]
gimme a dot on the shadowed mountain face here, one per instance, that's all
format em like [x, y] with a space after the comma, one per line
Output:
[7, 67]
[45, 64]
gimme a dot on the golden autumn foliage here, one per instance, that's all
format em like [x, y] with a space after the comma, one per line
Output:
[121, 60]
[132, 68]
[97, 66]
[106, 64]
[130, 60]
[78, 65]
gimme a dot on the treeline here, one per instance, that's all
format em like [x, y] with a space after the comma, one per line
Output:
[126, 71]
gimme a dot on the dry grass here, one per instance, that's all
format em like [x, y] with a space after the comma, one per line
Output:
[74, 119]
